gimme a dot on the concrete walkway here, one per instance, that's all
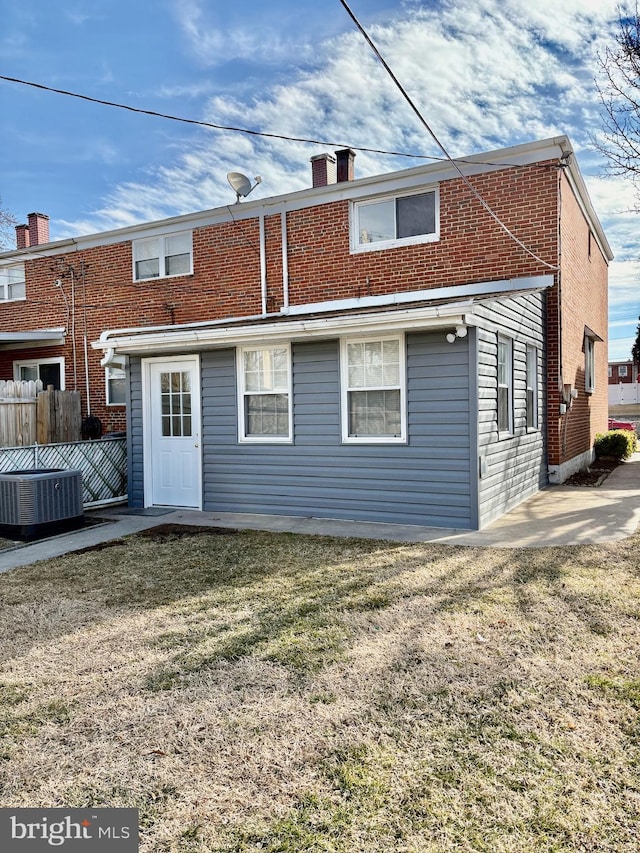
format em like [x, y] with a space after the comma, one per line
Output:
[558, 515]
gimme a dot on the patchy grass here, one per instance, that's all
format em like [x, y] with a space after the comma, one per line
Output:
[258, 691]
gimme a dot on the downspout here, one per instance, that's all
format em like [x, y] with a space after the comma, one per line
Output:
[563, 448]
[263, 265]
[85, 338]
[285, 261]
[73, 328]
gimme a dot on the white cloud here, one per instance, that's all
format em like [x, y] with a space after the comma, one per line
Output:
[483, 73]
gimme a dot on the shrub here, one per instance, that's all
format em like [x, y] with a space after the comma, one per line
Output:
[619, 443]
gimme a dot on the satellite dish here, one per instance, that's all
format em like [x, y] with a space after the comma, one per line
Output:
[241, 184]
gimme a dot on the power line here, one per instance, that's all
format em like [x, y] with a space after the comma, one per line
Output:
[234, 129]
[425, 124]
[209, 124]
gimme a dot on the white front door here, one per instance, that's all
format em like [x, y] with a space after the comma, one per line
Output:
[172, 432]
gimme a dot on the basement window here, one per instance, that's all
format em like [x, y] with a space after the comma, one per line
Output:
[395, 220]
[164, 256]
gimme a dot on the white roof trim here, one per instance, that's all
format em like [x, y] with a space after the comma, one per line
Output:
[187, 338]
[32, 336]
[453, 292]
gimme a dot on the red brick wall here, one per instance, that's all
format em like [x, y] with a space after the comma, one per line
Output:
[580, 301]
[226, 280]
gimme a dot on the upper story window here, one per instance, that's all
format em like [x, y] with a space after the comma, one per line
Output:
[373, 390]
[264, 398]
[395, 220]
[159, 257]
[12, 282]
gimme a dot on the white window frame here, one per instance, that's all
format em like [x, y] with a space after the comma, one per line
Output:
[345, 390]
[357, 206]
[163, 254]
[119, 366]
[508, 385]
[622, 371]
[36, 362]
[5, 284]
[531, 402]
[243, 437]
[589, 364]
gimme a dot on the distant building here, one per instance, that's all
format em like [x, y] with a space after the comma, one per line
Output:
[623, 383]
[622, 371]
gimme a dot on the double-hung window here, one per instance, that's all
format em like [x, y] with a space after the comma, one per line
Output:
[382, 223]
[163, 256]
[589, 365]
[505, 386]
[373, 390]
[12, 284]
[115, 384]
[265, 393]
[532, 388]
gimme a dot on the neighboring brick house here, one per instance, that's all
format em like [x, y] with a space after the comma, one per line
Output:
[374, 349]
[625, 372]
[624, 389]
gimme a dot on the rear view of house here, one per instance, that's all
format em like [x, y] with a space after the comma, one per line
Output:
[422, 347]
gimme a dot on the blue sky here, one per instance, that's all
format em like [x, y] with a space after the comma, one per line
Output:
[484, 73]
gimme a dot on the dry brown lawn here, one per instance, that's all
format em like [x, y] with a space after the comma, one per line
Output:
[257, 691]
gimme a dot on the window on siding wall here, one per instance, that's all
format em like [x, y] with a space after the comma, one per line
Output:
[265, 394]
[505, 386]
[395, 220]
[532, 388]
[160, 257]
[12, 284]
[373, 390]
[115, 383]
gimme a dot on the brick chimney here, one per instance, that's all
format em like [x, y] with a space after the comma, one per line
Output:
[345, 166]
[323, 170]
[22, 236]
[38, 228]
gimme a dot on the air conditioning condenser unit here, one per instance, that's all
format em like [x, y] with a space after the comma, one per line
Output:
[39, 502]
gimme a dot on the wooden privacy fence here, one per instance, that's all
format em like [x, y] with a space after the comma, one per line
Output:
[29, 415]
[103, 464]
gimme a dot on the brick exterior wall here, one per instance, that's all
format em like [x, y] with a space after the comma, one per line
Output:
[579, 301]
[226, 281]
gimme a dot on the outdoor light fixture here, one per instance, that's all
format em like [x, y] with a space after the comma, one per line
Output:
[460, 332]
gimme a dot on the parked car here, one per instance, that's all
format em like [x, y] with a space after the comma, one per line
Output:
[628, 425]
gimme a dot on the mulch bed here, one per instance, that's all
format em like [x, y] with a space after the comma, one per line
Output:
[595, 475]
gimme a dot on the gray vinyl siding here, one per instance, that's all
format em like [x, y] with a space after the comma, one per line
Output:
[426, 481]
[455, 471]
[135, 462]
[515, 467]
